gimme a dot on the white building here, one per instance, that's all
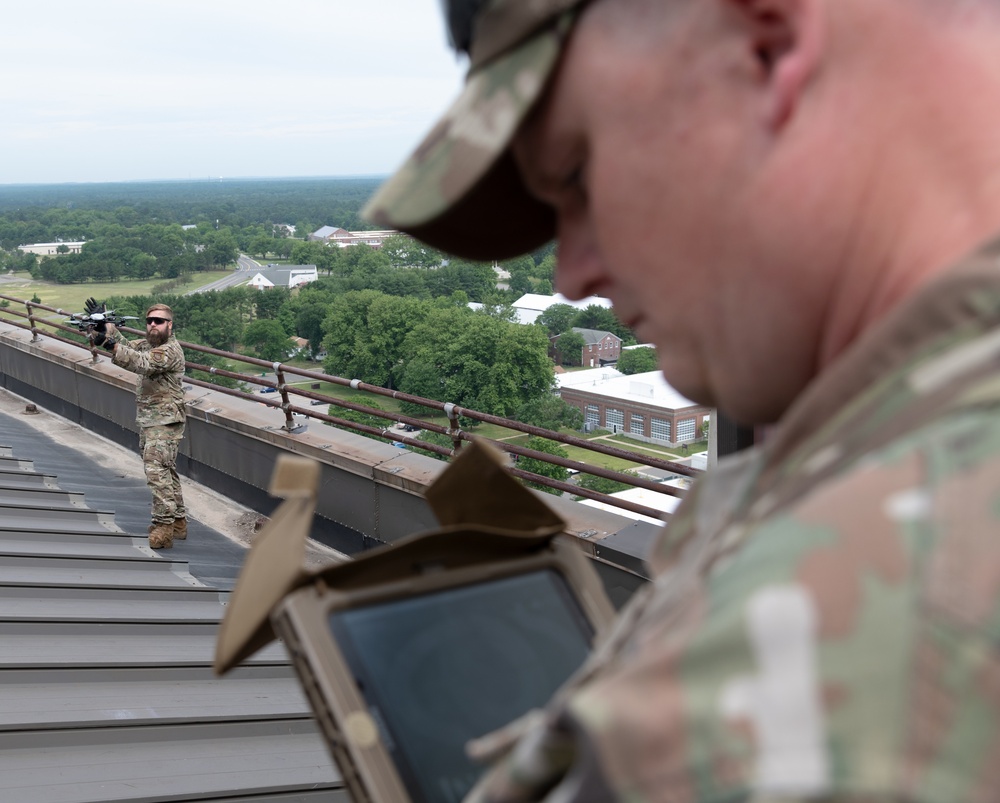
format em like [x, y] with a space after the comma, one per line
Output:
[334, 235]
[531, 305]
[50, 249]
[286, 276]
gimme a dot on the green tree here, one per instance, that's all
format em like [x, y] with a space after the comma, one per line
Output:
[308, 253]
[637, 361]
[570, 348]
[477, 279]
[268, 303]
[222, 248]
[476, 361]
[550, 412]
[358, 417]
[220, 327]
[405, 252]
[536, 466]
[546, 269]
[260, 245]
[268, 340]
[603, 320]
[309, 324]
[438, 439]
[557, 319]
[365, 332]
[212, 361]
[520, 283]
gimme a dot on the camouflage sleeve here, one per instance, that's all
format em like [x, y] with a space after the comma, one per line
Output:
[140, 359]
[842, 648]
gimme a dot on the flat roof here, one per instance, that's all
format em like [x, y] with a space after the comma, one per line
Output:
[646, 388]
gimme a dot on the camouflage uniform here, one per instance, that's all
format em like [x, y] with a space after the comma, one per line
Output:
[825, 613]
[160, 414]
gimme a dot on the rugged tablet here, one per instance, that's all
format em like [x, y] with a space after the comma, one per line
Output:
[409, 651]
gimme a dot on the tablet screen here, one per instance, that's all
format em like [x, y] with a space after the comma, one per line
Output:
[439, 669]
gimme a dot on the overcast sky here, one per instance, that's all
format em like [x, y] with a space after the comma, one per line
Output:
[122, 90]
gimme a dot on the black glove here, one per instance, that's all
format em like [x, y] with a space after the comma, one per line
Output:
[105, 335]
[92, 307]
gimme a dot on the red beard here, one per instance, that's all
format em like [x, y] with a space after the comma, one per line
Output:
[157, 337]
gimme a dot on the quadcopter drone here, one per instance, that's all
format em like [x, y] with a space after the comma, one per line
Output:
[95, 313]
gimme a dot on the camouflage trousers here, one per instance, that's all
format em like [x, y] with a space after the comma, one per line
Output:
[158, 445]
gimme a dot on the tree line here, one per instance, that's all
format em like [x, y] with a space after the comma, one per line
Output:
[436, 348]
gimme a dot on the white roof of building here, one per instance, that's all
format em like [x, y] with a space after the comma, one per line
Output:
[648, 388]
[55, 244]
[640, 496]
[531, 305]
[326, 231]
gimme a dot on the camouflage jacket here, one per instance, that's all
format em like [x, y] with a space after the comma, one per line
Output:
[824, 623]
[159, 392]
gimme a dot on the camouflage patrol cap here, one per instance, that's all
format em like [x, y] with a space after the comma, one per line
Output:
[460, 191]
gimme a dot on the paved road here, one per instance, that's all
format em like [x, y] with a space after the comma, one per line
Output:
[246, 267]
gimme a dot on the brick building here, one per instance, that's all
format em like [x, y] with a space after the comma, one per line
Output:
[642, 406]
[599, 347]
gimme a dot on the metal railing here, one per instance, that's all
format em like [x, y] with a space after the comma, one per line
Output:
[39, 326]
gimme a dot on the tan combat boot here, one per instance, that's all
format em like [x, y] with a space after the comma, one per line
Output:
[180, 529]
[161, 536]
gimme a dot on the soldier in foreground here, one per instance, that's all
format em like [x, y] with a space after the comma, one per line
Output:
[795, 200]
[159, 362]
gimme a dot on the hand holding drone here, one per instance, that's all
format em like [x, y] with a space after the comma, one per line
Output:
[99, 323]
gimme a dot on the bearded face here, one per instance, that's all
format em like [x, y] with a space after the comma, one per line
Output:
[157, 335]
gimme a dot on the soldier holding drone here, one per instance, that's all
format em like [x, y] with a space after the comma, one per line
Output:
[158, 361]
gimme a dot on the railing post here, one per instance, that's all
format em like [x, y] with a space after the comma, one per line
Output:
[454, 431]
[31, 320]
[290, 425]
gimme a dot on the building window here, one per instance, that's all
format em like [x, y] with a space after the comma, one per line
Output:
[659, 429]
[638, 424]
[616, 420]
[592, 415]
[686, 430]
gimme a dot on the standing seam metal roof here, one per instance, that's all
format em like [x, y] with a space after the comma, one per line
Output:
[106, 687]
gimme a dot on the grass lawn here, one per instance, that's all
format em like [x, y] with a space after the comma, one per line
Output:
[631, 443]
[70, 297]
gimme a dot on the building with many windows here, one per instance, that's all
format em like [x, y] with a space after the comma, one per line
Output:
[334, 235]
[599, 347]
[52, 249]
[642, 406]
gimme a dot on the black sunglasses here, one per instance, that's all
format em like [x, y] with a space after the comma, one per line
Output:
[157, 321]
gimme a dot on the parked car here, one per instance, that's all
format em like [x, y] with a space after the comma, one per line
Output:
[268, 390]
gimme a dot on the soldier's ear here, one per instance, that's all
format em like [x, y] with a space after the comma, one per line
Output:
[788, 38]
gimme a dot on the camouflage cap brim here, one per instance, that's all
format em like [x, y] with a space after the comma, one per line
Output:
[460, 191]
